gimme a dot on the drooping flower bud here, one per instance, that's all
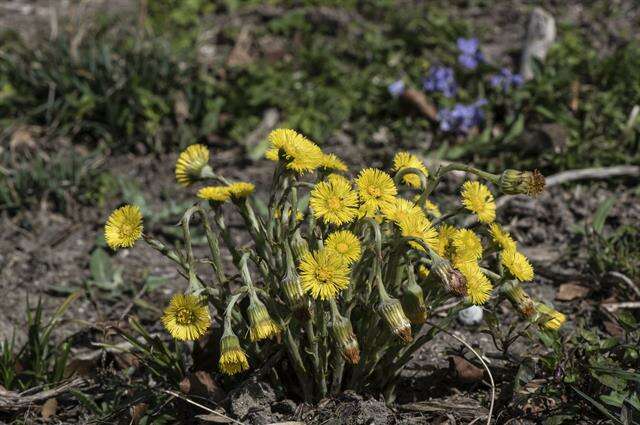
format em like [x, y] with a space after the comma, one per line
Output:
[294, 294]
[413, 300]
[391, 310]
[549, 318]
[261, 324]
[232, 357]
[519, 299]
[342, 333]
[514, 182]
[452, 280]
[298, 244]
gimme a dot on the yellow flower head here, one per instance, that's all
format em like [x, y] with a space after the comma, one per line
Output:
[432, 208]
[345, 244]
[323, 274]
[445, 237]
[517, 264]
[214, 193]
[334, 200]
[501, 236]
[261, 325]
[418, 226]
[404, 160]
[467, 245]
[550, 319]
[478, 285]
[301, 154]
[123, 227]
[400, 209]
[232, 357]
[376, 189]
[187, 317]
[190, 163]
[332, 162]
[241, 189]
[477, 198]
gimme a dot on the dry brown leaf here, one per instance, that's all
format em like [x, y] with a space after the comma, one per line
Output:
[613, 328]
[49, 408]
[137, 412]
[202, 384]
[464, 370]
[420, 101]
[571, 291]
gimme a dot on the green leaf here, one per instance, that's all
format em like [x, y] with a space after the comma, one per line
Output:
[598, 406]
[601, 214]
[101, 267]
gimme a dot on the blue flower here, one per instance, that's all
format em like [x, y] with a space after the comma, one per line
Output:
[505, 80]
[396, 88]
[440, 79]
[470, 54]
[461, 118]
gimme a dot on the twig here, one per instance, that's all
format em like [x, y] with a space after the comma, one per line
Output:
[618, 306]
[593, 173]
[626, 280]
[11, 401]
[180, 396]
[493, 385]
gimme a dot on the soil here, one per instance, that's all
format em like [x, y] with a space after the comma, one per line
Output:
[43, 254]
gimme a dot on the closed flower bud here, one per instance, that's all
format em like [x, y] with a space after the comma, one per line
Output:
[232, 357]
[452, 280]
[413, 301]
[298, 244]
[514, 182]
[519, 299]
[391, 310]
[342, 333]
[294, 294]
[261, 324]
[549, 318]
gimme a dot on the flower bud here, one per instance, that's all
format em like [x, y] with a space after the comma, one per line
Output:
[413, 302]
[549, 318]
[514, 182]
[344, 337]
[452, 280]
[261, 324]
[294, 294]
[391, 310]
[519, 299]
[232, 357]
[298, 244]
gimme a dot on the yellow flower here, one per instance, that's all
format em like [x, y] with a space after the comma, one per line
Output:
[232, 357]
[399, 209]
[214, 193]
[301, 154]
[445, 237]
[323, 274]
[332, 162]
[478, 285]
[190, 163]
[477, 198]
[123, 227]
[517, 264]
[418, 226]
[423, 271]
[376, 189]
[334, 200]
[551, 319]
[241, 189]
[404, 160]
[432, 208]
[467, 245]
[187, 317]
[261, 325]
[345, 244]
[502, 237]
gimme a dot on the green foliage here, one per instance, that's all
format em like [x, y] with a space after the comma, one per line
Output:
[40, 360]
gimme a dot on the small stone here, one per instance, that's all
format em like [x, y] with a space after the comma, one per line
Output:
[541, 33]
[470, 316]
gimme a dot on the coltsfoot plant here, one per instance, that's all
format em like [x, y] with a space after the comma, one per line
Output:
[340, 274]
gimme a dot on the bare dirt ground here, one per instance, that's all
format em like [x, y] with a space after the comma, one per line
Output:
[41, 251]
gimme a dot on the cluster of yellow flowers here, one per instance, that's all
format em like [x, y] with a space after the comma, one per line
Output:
[366, 237]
